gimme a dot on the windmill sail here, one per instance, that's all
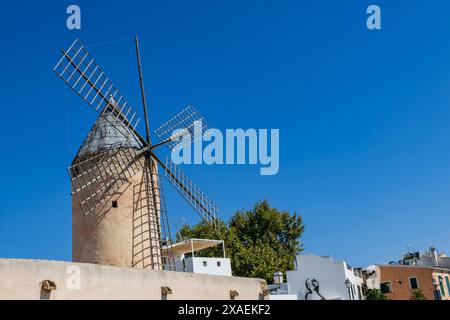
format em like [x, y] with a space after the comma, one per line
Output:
[95, 180]
[198, 200]
[112, 159]
[151, 230]
[84, 76]
[188, 121]
[104, 162]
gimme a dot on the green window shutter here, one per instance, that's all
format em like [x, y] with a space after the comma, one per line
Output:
[441, 284]
[447, 279]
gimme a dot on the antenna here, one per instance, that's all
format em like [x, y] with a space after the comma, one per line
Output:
[178, 225]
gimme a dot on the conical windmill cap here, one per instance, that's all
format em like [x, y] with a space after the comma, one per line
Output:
[107, 131]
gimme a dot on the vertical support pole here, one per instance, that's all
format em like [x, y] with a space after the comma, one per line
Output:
[151, 174]
[223, 246]
[144, 101]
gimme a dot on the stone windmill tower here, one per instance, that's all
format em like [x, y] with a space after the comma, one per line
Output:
[118, 210]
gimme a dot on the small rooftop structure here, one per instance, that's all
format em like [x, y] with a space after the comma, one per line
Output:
[193, 245]
[430, 258]
[198, 264]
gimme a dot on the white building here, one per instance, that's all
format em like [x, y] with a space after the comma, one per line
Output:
[220, 266]
[280, 292]
[372, 277]
[318, 278]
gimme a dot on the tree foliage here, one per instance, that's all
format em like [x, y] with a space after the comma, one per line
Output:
[375, 294]
[259, 242]
[417, 294]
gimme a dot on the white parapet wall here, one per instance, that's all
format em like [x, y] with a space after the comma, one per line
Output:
[22, 279]
[213, 266]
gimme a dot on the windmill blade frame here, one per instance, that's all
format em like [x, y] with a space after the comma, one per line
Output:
[84, 76]
[114, 154]
[187, 122]
[198, 200]
[151, 232]
[98, 178]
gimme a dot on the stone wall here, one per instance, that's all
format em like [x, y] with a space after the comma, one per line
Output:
[22, 279]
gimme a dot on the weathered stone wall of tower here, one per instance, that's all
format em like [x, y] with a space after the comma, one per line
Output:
[125, 235]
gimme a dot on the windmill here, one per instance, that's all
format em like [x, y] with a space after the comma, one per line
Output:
[119, 215]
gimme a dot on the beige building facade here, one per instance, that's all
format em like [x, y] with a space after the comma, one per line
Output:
[55, 280]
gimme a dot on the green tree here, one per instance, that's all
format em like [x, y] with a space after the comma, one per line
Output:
[375, 294]
[417, 294]
[258, 241]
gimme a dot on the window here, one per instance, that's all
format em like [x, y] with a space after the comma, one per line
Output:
[205, 264]
[447, 279]
[114, 204]
[441, 284]
[359, 293]
[365, 289]
[219, 264]
[413, 283]
[386, 287]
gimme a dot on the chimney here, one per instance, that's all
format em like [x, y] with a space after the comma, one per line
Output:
[434, 257]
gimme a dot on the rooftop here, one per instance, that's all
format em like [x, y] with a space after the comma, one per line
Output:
[107, 131]
[193, 245]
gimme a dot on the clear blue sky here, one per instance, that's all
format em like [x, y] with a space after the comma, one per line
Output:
[363, 115]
